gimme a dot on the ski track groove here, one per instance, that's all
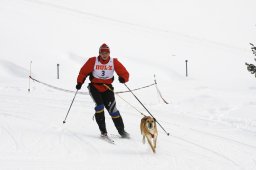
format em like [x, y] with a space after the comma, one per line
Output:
[11, 136]
[84, 142]
[212, 150]
[61, 135]
[217, 136]
[209, 150]
[143, 156]
[211, 134]
[224, 138]
[21, 117]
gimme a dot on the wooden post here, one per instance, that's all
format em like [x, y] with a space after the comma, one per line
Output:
[58, 73]
[186, 68]
[29, 76]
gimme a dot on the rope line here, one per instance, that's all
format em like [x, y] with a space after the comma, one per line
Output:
[131, 105]
[86, 93]
[83, 93]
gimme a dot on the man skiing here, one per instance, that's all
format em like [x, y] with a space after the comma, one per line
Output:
[101, 74]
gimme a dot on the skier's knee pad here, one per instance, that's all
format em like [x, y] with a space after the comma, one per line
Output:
[99, 109]
[115, 114]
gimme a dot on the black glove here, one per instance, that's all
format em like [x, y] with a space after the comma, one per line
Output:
[78, 86]
[121, 79]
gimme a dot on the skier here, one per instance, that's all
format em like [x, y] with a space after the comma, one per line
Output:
[101, 74]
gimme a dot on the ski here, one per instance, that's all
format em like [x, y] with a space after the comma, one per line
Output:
[120, 137]
[107, 139]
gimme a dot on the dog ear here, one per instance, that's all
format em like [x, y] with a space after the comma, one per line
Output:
[141, 127]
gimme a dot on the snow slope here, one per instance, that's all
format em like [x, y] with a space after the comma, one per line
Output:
[210, 115]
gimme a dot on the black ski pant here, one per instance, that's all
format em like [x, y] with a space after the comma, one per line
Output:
[106, 100]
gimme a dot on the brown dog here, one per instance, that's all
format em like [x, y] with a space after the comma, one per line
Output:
[149, 130]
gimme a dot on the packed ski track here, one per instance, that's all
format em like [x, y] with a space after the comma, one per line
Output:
[35, 137]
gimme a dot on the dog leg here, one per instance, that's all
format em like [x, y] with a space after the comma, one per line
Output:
[155, 140]
[156, 134]
[150, 143]
[143, 139]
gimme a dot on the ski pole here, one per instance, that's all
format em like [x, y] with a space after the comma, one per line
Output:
[64, 121]
[147, 110]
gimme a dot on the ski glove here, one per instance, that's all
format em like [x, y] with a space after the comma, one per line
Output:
[78, 86]
[121, 79]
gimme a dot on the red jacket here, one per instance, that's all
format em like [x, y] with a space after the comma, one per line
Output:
[88, 68]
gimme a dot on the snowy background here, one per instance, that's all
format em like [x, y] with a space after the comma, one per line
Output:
[211, 113]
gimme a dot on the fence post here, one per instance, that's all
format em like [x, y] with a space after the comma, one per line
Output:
[186, 68]
[58, 71]
[29, 76]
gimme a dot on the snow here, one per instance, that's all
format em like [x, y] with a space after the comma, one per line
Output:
[211, 113]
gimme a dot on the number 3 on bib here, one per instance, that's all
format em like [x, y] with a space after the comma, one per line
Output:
[103, 73]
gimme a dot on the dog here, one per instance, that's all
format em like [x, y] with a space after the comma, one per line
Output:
[149, 130]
